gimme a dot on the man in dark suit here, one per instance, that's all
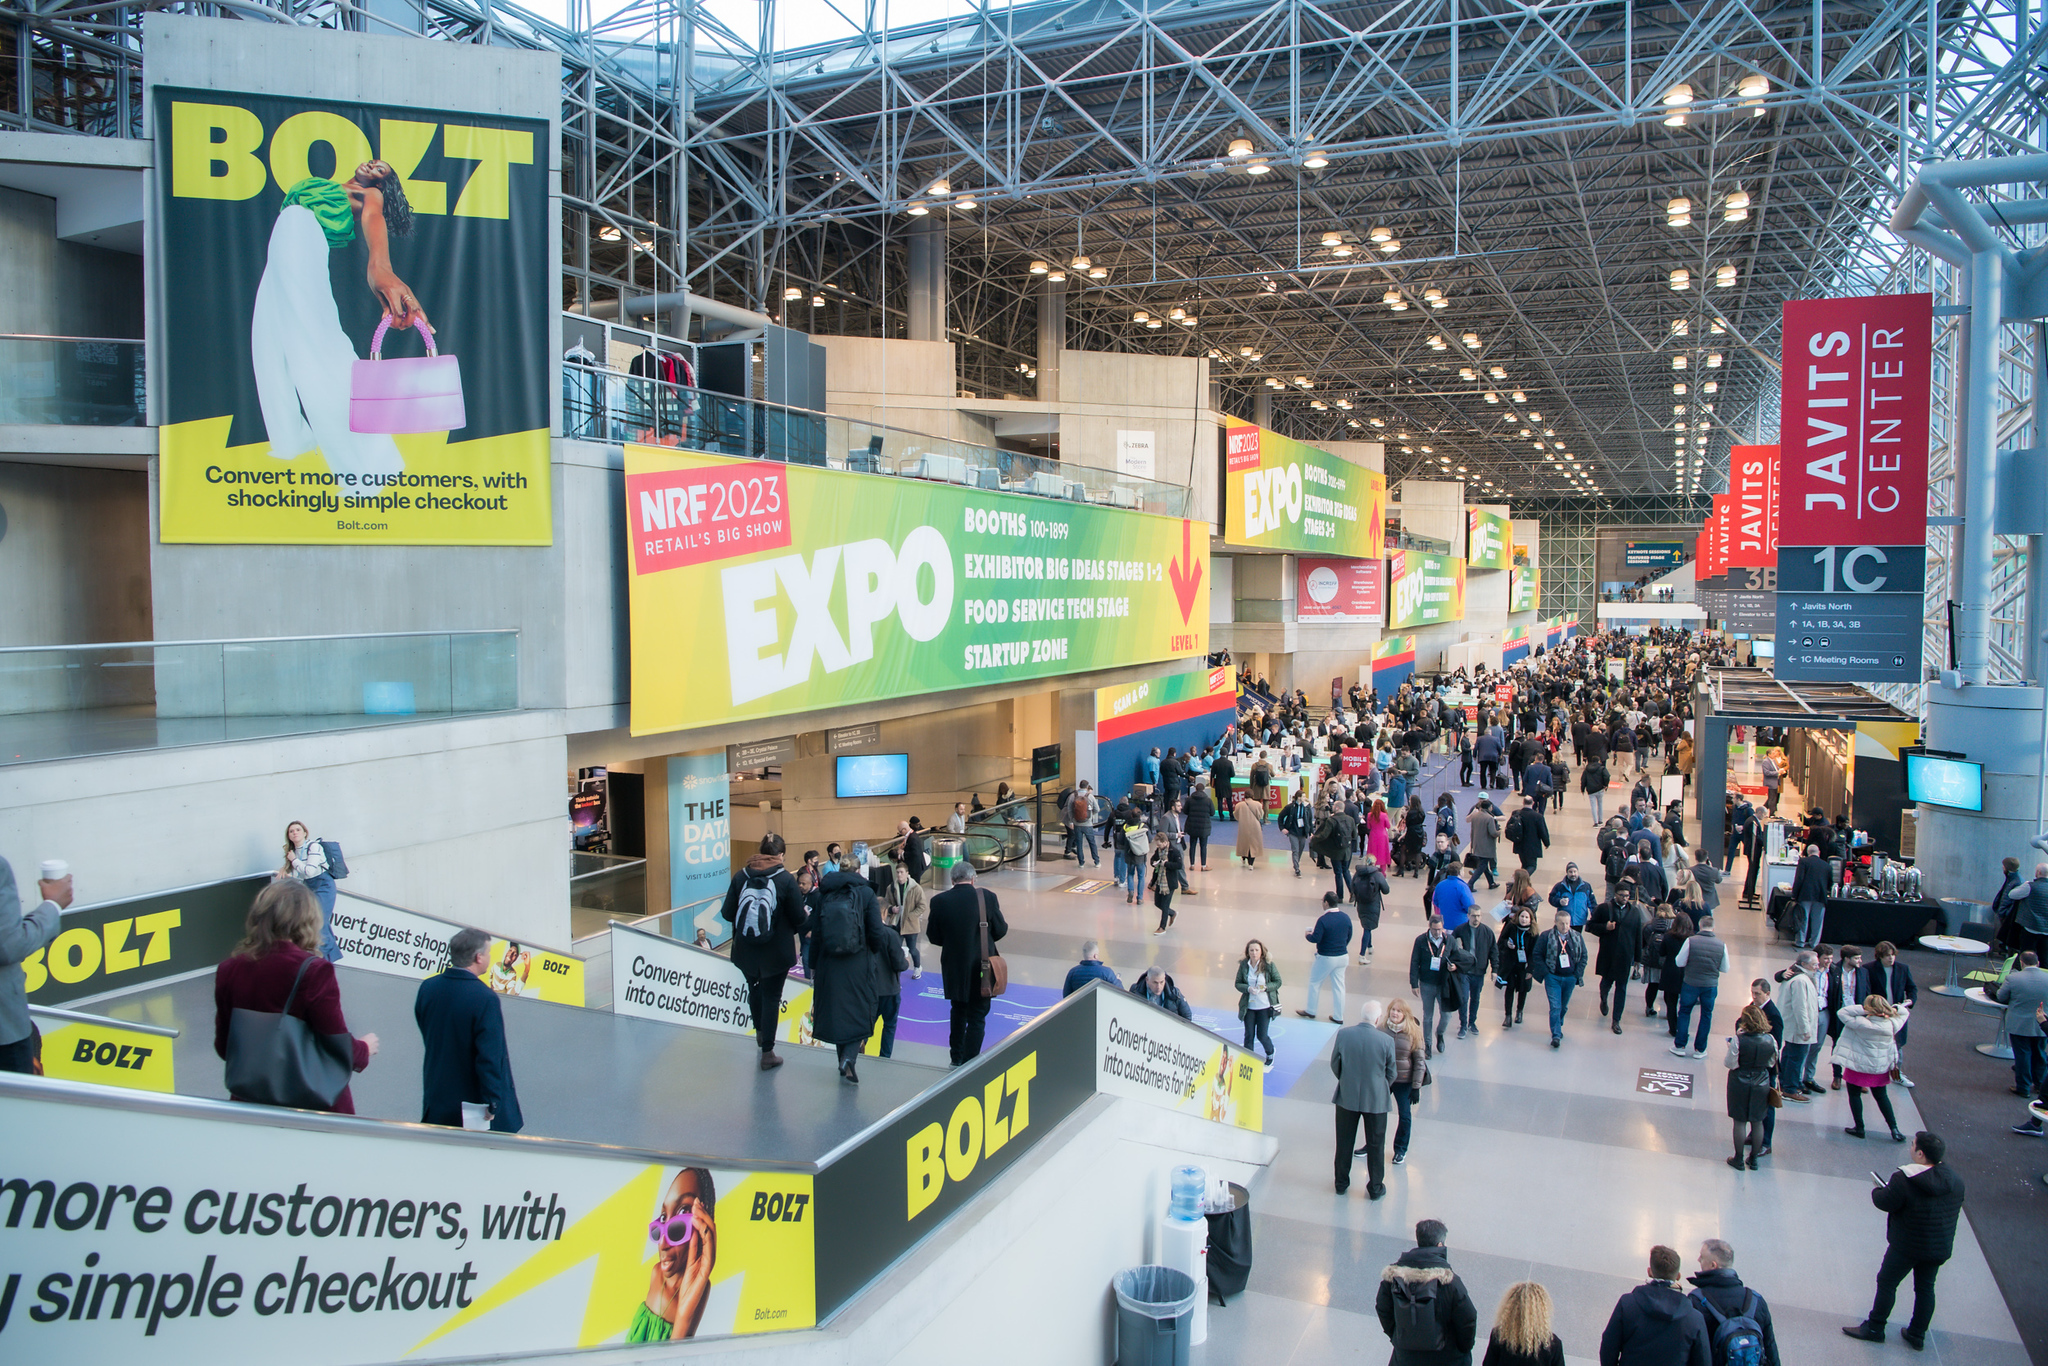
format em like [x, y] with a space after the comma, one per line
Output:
[1922, 1202]
[955, 926]
[462, 1024]
[1362, 1057]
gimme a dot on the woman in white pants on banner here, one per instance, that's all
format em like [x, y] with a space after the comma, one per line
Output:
[302, 358]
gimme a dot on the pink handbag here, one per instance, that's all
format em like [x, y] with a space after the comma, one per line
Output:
[415, 394]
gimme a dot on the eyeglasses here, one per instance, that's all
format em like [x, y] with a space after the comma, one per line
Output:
[673, 1230]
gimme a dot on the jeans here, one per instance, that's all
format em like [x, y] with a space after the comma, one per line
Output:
[322, 888]
[1342, 866]
[1438, 1005]
[20, 1056]
[964, 1033]
[1131, 872]
[1259, 1023]
[1806, 928]
[1599, 803]
[1198, 850]
[1297, 845]
[1469, 989]
[1490, 866]
[1559, 989]
[910, 947]
[1795, 1067]
[1375, 1124]
[1327, 967]
[1404, 1101]
[1703, 997]
[886, 1007]
[2029, 1058]
[1085, 835]
[1890, 1272]
[764, 1002]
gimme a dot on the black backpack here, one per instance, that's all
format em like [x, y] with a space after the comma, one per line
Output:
[753, 916]
[1514, 830]
[1416, 1328]
[840, 934]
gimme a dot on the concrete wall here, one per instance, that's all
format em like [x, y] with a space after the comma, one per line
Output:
[99, 292]
[28, 263]
[1999, 727]
[1102, 393]
[74, 557]
[462, 819]
[1434, 507]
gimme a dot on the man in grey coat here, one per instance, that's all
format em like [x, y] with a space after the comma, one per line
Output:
[22, 935]
[2023, 995]
[1362, 1057]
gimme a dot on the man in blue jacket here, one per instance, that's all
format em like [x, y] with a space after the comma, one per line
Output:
[1331, 934]
[1574, 896]
[462, 1024]
[1091, 968]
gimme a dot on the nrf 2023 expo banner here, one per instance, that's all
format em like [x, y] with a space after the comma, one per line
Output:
[1281, 494]
[761, 589]
[1486, 539]
[1424, 590]
[354, 322]
[177, 1237]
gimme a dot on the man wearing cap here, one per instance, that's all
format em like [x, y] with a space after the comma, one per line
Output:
[1573, 895]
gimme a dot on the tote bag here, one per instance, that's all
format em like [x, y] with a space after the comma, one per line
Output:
[279, 1060]
[412, 394]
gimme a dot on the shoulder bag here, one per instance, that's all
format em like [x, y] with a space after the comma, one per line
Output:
[992, 974]
[279, 1060]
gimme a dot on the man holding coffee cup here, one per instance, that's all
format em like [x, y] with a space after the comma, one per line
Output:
[21, 936]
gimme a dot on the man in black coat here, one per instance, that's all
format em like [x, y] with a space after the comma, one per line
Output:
[845, 991]
[1424, 1307]
[1655, 1324]
[1719, 1295]
[955, 926]
[1529, 833]
[764, 936]
[1221, 771]
[1618, 923]
[1922, 1203]
[1810, 886]
[462, 1025]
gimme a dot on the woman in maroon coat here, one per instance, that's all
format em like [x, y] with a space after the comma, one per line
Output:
[283, 931]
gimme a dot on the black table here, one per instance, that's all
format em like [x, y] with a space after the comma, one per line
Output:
[1852, 920]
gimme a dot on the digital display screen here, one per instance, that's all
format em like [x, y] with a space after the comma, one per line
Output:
[872, 775]
[1957, 783]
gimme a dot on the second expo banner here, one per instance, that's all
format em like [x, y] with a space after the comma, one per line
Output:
[761, 589]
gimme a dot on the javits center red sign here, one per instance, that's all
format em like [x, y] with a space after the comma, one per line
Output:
[1853, 434]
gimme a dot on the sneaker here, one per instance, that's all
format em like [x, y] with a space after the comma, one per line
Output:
[1699, 1052]
[1556, 1040]
[2032, 1128]
[916, 972]
[1400, 1158]
[1680, 1051]
[1905, 1081]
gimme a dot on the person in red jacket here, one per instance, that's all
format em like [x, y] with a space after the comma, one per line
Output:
[283, 931]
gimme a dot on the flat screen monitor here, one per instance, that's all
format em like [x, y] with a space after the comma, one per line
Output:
[1045, 764]
[872, 775]
[1956, 783]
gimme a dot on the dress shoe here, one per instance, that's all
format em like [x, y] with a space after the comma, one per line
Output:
[1556, 1041]
[1616, 1028]
[849, 1074]
[1751, 1164]
[1863, 1332]
[1376, 1192]
[1898, 1137]
[1798, 1098]
[1736, 1162]
[1856, 1132]
[1304, 1014]
[1914, 1340]
[769, 1062]
[1342, 1189]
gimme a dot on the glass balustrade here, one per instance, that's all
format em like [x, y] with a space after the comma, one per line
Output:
[64, 701]
[71, 381]
[604, 405]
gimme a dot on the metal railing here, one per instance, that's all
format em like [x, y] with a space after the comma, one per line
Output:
[71, 381]
[605, 405]
[64, 701]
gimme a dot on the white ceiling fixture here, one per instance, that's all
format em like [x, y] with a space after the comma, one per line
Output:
[1681, 279]
[1240, 147]
[1724, 276]
[1735, 208]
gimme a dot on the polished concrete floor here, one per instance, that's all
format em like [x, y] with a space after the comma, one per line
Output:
[1544, 1164]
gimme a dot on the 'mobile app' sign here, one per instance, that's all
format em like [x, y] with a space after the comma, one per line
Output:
[1283, 495]
[761, 589]
[1852, 488]
[1424, 590]
[1338, 590]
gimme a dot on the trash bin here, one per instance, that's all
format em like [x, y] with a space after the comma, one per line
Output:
[1230, 1245]
[1155, 1311]
[947, 850]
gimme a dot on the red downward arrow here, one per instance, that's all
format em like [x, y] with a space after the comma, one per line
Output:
[1185, 573]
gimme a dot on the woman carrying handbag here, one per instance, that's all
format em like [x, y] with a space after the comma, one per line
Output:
[275, 990]
[1752, 1054]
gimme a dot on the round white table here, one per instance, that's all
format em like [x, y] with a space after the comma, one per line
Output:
[1952, 947]
[1999, 1047]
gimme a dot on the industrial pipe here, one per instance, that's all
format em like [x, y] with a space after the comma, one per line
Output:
[646, 305]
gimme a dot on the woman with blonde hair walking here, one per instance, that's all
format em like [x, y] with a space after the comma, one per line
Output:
[1521, 1330]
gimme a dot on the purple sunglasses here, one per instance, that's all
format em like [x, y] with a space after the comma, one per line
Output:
[674, 1230]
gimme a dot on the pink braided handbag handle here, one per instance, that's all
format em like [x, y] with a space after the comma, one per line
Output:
[384, 326]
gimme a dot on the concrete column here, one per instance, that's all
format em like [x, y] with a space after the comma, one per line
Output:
[927, 321]
[1979, 470]
[1262, 408]
[2036, 653]
[1052, 338]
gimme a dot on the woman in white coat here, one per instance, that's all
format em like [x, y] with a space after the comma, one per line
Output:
[1869, 1050]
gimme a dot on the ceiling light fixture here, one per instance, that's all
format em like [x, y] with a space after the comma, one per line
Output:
[965, 201]
[817, 301]
[918, 209]
[1315, 161]
[792, 293]
[1141, 316]
[1156, 323]
[1377, 421]
[1678, 362]
[941, 186]
[1713, 360]
[1735, 208]
[609, 233]
[1240, 147]
[1519, 397]
[1391, 245]
[1079, 263]
[1257, 166]
[1471, 339]
[1681, 279]
[1039, 267]
[1098, 272]
[1678, 388]
[1381, 234]
[1724, 276]
[1710, 387]
[1497, 372]
[1055, 276]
